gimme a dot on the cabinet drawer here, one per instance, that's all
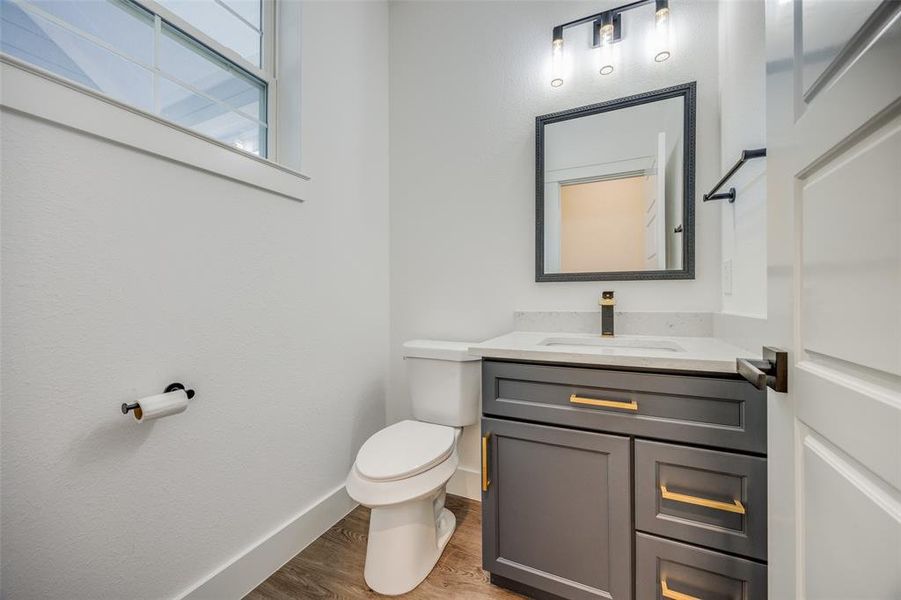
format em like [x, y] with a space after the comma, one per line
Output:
[716, 499]
[710, 411]
[676, 571]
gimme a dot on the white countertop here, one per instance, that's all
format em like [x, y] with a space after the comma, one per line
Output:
[641, 351]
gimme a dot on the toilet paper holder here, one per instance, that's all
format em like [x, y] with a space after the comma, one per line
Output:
[126, 407]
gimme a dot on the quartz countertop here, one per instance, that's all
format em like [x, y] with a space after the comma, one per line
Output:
[636, 351]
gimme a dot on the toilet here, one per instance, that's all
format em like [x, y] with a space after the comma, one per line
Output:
[401, 471]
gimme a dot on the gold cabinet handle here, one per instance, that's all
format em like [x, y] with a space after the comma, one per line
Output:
[574, 399]
[672, 594]
[735, 507]
[485, 481]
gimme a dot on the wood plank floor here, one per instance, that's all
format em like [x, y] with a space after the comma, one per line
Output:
[332, 566]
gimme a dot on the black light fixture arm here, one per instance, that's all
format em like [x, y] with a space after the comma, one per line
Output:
[746, 155]
[597, 16]
[611, 16]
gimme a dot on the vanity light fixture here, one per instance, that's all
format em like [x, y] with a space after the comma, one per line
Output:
[607, 32]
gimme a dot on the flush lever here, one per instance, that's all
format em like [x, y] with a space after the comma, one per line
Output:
[771, 371]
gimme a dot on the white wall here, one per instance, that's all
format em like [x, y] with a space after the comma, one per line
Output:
[467, 81]
[580, 142]
[743, 126]
[123, 272]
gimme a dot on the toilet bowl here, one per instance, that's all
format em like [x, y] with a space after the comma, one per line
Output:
[401, 472]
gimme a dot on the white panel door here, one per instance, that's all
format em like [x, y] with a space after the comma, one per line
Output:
[834, 297]
[655, 210]
[553, 223]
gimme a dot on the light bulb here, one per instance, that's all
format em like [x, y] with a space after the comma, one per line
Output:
[607, 29]
[662, 15]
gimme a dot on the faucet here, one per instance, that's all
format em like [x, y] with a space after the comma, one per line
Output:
[607, 303]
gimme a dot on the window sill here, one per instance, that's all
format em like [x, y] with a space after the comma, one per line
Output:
[33, 91]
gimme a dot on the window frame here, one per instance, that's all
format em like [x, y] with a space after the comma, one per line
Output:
[265, 74]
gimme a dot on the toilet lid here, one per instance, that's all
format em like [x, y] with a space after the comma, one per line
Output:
[404, 449]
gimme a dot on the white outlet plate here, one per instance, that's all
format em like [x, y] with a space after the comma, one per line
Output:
[727, 277]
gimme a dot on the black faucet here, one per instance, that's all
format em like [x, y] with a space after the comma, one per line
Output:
[607, 302]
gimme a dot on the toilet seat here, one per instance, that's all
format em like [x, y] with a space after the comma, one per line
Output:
[404, 450]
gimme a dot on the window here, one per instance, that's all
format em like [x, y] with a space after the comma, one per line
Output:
[236, 24]
[201, 64]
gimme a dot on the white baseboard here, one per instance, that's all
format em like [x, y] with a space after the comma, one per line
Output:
[263, 558]
[466, 483]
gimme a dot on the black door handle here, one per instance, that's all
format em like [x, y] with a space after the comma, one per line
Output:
[770, 371]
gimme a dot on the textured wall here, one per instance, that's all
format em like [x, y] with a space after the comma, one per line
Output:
[467, 80]
[743, 113]
[123, 272]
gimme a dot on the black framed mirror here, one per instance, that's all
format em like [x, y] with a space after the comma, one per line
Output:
[614, 189]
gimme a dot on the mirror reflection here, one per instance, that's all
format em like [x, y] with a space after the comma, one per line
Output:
[614, 189]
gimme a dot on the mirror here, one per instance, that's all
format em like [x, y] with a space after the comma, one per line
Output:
[615, 189]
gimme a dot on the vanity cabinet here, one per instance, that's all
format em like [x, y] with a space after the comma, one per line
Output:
[604, 483]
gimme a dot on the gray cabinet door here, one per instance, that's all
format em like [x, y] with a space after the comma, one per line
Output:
[556, 514]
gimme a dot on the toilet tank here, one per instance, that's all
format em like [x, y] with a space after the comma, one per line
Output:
[444, 382]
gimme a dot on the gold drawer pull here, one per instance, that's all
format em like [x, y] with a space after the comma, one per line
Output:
[672, 594]
[735, 507]
[633, 405]
[485, 481]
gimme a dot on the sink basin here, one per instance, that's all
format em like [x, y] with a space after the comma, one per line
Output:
[600, 342]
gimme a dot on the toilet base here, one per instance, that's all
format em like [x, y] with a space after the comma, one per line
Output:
[405, 542]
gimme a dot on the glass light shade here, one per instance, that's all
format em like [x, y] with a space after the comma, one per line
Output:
[661, 50]
[557, 63]
[607, 50]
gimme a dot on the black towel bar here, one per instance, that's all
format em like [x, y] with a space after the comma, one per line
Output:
[746, 155]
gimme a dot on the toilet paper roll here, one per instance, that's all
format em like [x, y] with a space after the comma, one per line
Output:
[161, 405]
